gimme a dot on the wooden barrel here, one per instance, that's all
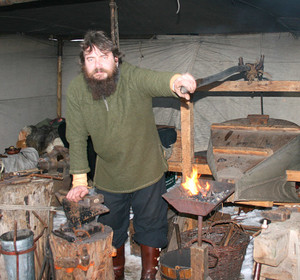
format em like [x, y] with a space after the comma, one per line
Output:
[176, 265]
[26, 201]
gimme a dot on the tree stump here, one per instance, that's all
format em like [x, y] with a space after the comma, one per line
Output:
[89, 259]
[26, 200]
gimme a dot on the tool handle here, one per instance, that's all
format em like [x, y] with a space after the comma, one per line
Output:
[183, 90]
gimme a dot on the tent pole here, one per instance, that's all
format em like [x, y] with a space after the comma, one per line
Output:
[114, 23]
[59, 76]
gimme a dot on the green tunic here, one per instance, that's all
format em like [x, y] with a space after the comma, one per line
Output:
[123, 131]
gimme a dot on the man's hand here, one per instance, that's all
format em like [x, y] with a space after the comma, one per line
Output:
[78, 193]
[188, 82]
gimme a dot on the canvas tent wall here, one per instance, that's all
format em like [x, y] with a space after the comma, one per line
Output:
[28, 84]
[29, 77]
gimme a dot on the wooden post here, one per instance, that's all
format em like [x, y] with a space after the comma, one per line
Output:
[199, 262]
[89, 259]
[187, 159]
[187, 137]
[59, 76]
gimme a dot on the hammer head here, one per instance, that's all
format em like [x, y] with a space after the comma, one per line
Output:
[84, 211]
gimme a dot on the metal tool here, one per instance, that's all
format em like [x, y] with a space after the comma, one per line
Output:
[84, 211]
[250, 70]
[80, 217]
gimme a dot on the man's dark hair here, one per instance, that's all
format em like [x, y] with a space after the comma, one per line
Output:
[100, 40]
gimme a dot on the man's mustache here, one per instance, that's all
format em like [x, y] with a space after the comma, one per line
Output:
[99, 70]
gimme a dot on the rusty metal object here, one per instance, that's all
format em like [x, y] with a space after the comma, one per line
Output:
[251, 72]
[258, 119]
[256, 70]
[85, 257]
[184, 203]
[57, 159]
[80, 217]
[46, 176]
[84, 211]
[44, 226]
[17, 181]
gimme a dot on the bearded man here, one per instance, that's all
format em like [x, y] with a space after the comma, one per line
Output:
[111, 101]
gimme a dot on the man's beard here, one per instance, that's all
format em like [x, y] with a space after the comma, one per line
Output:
[101, 88]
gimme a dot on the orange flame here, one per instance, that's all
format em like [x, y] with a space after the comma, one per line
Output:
[193, 186]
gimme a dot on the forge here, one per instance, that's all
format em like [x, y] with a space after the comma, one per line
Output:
[227, 240]
[180, 199]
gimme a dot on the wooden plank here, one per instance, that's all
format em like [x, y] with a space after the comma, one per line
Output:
[176, 166]
[215, 126]
[256, 203]
[243, 151]
[255, 86]
[293, 175]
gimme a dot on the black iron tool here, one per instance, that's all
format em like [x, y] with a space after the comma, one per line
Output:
[250, 71]
[84, 211]
[81, 216]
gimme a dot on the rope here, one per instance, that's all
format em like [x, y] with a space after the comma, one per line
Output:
[1, 166]
[27, 207]
[178, 7]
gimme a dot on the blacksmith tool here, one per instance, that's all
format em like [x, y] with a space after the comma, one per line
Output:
[84, 211]
[250, 71]
[80, 217]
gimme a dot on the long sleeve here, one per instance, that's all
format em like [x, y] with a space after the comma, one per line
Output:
[76, 131]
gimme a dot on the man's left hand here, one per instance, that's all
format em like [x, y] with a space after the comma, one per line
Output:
[188, 82]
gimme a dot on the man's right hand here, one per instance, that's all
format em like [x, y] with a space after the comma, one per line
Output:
[78, 193]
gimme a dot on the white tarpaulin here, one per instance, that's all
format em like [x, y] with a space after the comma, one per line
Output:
[208, 55]
[29, 77]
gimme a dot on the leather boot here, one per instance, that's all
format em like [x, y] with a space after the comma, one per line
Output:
[150, 258]
[119, 263]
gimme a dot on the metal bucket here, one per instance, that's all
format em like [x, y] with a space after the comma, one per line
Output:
[25, 248]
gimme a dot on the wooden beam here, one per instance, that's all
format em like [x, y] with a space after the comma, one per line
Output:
[243, 151]
[275, 128]
[293, 175]
[187, 137]
[258, 203]
[176, 166]
[255, 86]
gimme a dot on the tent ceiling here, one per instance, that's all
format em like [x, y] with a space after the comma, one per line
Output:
[138, 18]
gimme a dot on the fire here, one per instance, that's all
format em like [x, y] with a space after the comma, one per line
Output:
[193, 186]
